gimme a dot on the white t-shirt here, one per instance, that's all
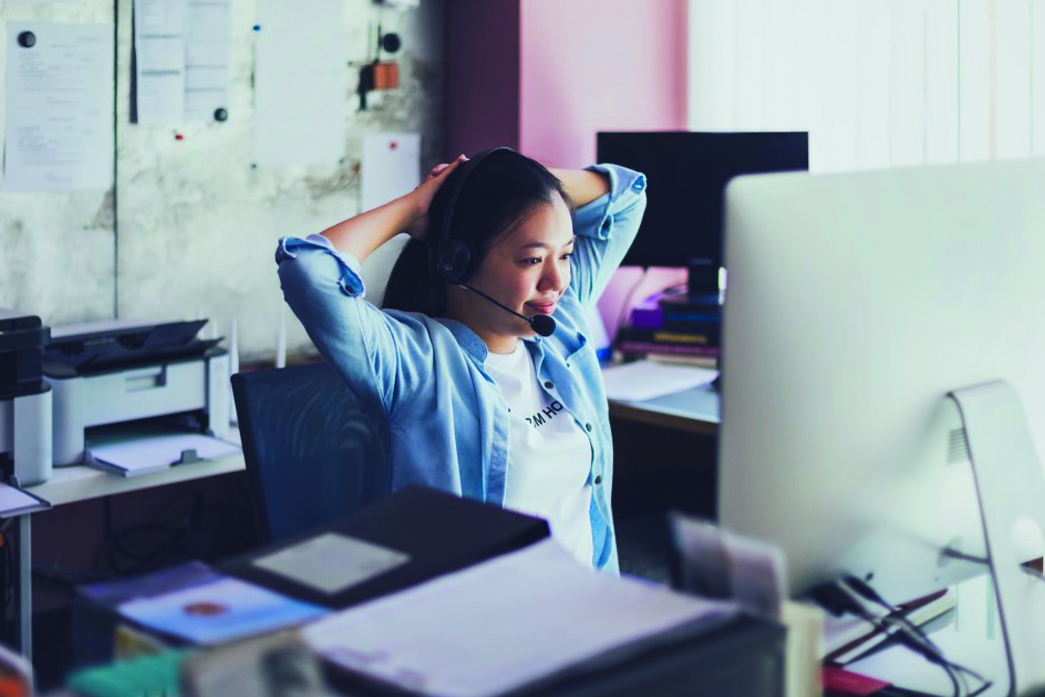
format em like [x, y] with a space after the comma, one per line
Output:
[549, 456]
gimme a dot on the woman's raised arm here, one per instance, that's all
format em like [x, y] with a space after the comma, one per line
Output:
[582, 185]
[362, 234]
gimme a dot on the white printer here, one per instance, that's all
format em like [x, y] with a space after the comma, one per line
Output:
[114, 372]
[25, 400]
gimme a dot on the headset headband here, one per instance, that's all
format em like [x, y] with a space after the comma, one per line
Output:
[455, 254]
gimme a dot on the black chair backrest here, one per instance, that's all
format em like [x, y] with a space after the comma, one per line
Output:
[312, 454]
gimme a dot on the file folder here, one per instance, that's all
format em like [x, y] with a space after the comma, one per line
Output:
[435, 531]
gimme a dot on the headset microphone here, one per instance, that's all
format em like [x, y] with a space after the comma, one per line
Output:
[541, 324]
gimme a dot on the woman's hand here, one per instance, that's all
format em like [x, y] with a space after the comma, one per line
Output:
[421, 197]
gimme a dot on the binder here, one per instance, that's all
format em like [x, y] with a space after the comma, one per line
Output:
[435, 531]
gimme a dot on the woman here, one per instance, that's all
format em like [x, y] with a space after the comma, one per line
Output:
[470, 399]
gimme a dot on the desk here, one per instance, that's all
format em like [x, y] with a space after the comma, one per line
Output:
[696, 410]
[80, 483]
[664, 455]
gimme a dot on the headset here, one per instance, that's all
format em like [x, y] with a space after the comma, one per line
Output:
[456, 256]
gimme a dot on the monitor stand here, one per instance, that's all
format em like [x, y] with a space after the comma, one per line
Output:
[1011, 489]
[702, 282]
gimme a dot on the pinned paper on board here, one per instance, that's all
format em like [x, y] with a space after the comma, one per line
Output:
[300, 73]
[181, 51]
[391, 167]
[59, 134]
[208, 39]
[159, 59]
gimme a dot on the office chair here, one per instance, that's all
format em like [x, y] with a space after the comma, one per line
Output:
[312, 455]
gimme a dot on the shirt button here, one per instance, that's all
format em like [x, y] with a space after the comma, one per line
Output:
[598, 480]
[549, 384]
[588, 426]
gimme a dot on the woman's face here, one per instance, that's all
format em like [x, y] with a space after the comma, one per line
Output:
[527, 269]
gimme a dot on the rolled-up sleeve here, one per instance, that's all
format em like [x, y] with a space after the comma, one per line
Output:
[605, 229]
[325, 290]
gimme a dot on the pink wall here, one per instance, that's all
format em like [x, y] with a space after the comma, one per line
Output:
[591, 65]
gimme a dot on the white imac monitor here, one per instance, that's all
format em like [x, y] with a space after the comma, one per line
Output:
[856, 302]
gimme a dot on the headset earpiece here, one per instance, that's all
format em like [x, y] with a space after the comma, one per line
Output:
[455, 260]
[455, 254]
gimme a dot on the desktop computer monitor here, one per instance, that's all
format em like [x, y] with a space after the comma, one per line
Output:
[687, 174]
[856, 302]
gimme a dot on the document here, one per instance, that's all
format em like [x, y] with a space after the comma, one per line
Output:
[332, 562]
[159, 54]
[644, 380]
[391, 167]
[154, 454]
[15, 502]
[502, 624]
[207, 48]
[300, 80]
[59, 83]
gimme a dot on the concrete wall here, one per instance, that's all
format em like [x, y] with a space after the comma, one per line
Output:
[192, 227]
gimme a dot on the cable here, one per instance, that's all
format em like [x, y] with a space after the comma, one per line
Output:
[911, 635]
[626, 307]
[842, 597]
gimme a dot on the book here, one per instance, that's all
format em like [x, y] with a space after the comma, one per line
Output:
[650, 347]
[197, 604]
[707, 334]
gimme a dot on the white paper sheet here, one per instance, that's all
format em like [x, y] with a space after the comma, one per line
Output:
[501, 624]
[207, 47]
[300, 81]
[159, 452]
[391, 167]
[643, 380]
[159, 53]
[59, 134]
[12, 501]
[331, 562]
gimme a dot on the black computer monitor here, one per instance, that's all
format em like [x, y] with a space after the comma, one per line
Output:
[687, 175]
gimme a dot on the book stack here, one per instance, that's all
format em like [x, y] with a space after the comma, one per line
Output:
[674, 324]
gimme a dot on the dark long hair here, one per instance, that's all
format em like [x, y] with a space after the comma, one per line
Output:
[504, 188]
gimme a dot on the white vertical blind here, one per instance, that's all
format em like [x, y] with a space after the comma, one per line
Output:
[1037, 76]
[877, 83]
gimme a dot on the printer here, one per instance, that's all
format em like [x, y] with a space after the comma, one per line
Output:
[119, 371]
[25, 400]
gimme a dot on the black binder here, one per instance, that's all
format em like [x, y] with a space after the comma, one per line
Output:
[440, 533]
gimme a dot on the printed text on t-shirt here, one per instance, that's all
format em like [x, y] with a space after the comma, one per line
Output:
[545, 415]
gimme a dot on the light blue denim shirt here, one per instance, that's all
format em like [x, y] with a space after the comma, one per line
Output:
[442, 418]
